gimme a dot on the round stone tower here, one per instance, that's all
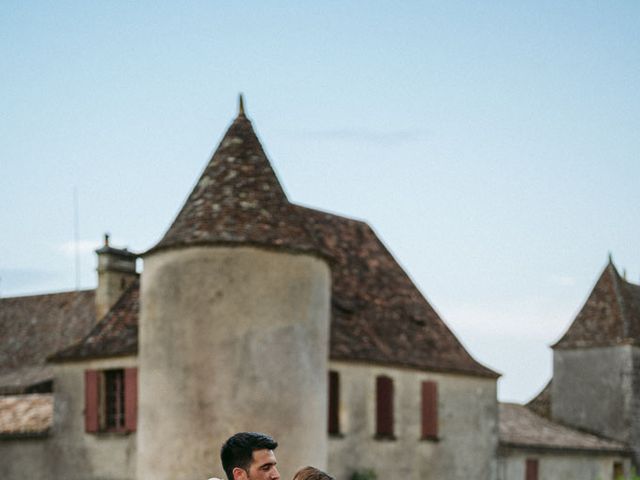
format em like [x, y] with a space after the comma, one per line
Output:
[234, 323]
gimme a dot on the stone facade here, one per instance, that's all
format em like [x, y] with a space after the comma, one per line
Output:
[553, 465]
[592, 390]
[245, 305]
[467, 418]
[232, 339]
[67, 451]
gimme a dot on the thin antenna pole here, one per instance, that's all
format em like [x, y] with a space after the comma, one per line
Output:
[76, 237]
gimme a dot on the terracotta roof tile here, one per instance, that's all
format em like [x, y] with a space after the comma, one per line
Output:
[34, 327]
[520, 427]
[610, 316]
[116, 334]
[26, 415]
[378, 314]
[238, 199]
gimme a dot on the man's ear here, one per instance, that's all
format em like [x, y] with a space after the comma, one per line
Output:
[240, 474]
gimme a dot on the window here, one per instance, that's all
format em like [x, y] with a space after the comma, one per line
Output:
[384, 407]
[111, 400]
[531, 469]
[429, 410]
[334, 403]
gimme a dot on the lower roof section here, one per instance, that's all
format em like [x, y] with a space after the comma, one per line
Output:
[25, 415]
[521, 428]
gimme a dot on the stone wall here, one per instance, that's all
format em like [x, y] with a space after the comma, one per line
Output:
[231, 339]
[68, 452]
[592, 390]
[634, 439]
[467, 442]
[559, 466]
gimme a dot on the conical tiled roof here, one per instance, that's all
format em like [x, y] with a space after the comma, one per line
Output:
[610, 316]
[239, 200]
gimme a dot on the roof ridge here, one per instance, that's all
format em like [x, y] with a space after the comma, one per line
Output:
[48, 294]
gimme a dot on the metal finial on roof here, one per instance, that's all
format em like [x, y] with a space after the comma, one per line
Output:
[610, 257]
[240, 105]
[106, 239]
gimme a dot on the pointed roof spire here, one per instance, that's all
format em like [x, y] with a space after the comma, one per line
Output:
[610, 316]
[240, 105]
[239, 200]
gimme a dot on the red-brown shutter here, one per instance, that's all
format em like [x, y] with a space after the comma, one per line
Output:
[429, 410]
[334, 402]
[130, 399]
[384, 406]
[531, 471]
[91, 424]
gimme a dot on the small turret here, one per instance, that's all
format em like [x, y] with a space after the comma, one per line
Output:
[234, 321]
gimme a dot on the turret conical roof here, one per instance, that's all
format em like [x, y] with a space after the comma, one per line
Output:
[610, 316]
[239, 200]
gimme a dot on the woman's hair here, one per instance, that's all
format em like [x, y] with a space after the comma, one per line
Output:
[310, 473]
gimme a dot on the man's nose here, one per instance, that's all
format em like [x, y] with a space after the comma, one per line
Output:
[275, 475]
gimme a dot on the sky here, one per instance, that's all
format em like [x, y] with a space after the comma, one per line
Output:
[493, 146]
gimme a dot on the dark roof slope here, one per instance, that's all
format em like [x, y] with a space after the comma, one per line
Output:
[378, 314]
[34, 327]
[610, 316]
[238, 199]
[116, 334]
[521, 428]
[541, 403]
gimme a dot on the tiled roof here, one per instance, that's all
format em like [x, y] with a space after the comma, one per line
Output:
[116, 334]
[238, 199]
[34, 327]
[378, 314]
[541, 403]
[25, 415]
[521, 428]
[610, 316]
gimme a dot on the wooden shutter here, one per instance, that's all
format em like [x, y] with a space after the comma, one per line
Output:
[384, 407]
[334, 403]
[91, 395]
[531, 470]
[130, 399]
[430, 410]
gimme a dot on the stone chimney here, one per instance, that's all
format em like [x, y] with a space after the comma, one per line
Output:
[116, 271]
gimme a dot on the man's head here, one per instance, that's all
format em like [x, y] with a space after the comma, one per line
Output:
[249, 456]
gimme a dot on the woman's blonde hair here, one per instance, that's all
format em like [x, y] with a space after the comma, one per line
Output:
[311, 473]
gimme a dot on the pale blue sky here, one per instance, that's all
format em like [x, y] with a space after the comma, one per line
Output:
[494, 146]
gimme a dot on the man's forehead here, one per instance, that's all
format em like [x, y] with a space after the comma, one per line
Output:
[263, 456]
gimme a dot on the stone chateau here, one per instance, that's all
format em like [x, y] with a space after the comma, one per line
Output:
[254, 313]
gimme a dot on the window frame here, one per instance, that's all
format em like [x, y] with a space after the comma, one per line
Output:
[333, 401]
[429, 410]
[531, 469]
[385, 415]
[111, 400]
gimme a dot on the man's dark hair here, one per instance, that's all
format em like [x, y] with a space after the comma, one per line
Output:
[238, 450]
